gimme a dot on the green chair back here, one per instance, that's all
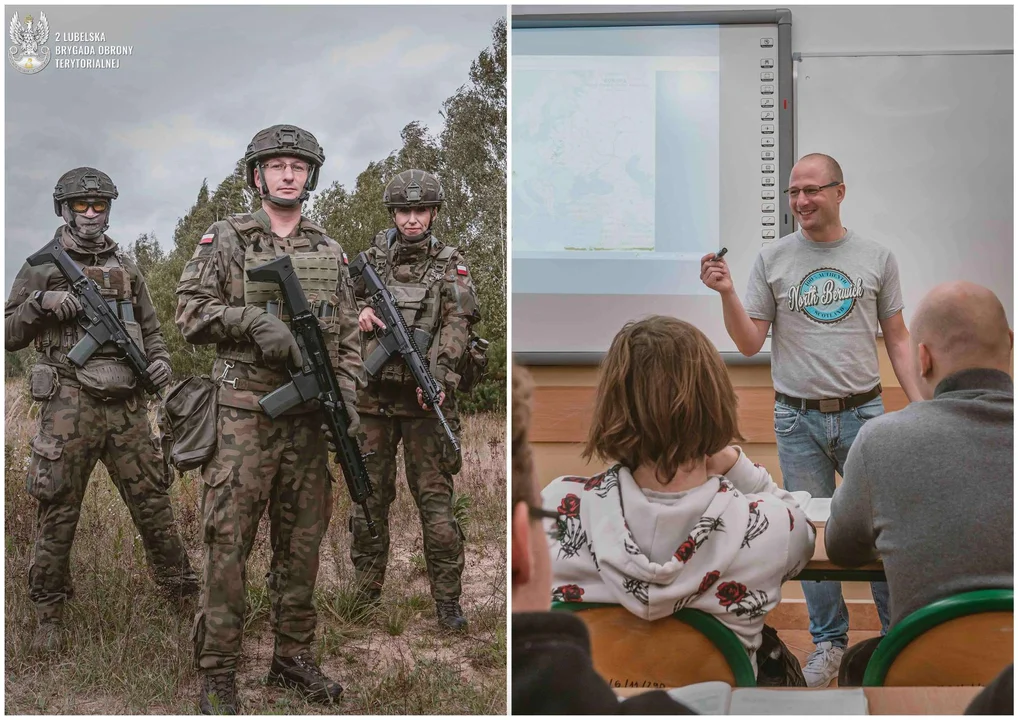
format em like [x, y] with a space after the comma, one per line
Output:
[965, 639]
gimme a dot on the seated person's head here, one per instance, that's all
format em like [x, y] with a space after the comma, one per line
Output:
[958, 326]
[664, 399]
[531, 561]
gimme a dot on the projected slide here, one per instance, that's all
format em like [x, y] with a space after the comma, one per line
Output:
[585, 140]
[636, 150]
[615, 160]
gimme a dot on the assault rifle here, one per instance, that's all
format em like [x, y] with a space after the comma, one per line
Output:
[315, 379]
[100, 321]
[397, 338]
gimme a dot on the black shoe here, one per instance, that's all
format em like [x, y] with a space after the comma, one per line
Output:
[219, 694]
[450, 614]
[301, 673]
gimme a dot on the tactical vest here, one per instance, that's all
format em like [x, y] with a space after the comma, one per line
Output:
[420, 302]
[114, 281]
[317, 265]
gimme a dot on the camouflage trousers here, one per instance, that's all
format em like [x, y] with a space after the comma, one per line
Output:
[76, 431]
[281, 463]
[431, 486]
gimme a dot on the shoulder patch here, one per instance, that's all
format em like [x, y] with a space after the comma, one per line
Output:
[346, 260]
[207, 238]
[461, 269]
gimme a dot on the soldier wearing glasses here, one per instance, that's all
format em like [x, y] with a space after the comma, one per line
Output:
[259, 461]
[826, 290]
[96, 412]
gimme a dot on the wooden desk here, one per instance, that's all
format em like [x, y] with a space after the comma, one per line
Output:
[820, 568]
[895, 700]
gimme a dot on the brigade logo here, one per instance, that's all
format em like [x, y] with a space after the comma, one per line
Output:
[826, 295]
[29, 54]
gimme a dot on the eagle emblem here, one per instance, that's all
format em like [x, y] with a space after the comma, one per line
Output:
[29, 53]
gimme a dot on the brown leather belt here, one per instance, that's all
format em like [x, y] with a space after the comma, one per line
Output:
[832, 405]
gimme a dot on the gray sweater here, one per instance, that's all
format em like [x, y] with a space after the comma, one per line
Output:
[930, 489]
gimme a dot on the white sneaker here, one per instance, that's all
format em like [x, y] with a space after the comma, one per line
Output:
[822, 665]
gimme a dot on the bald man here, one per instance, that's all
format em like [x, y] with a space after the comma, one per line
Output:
[930, 488]
[823, 291]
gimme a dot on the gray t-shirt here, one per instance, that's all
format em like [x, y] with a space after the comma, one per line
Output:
[824, 301]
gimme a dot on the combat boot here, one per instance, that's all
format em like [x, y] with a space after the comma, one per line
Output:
[182, 593]
[49, 637]
[219, 694]
[450, 615]
[301, 673]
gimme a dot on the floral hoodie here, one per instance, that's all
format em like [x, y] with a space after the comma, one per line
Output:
[724, 548]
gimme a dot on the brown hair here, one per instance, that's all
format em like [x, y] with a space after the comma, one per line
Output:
[664, 397]
[523, 458]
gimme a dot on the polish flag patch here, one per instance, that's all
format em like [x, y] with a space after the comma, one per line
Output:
[206, 238]
[461, 269]
[346, 260]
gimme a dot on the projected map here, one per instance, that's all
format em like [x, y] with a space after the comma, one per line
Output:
[583, 158]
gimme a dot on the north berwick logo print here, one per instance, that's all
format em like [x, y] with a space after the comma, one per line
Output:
[826, 296]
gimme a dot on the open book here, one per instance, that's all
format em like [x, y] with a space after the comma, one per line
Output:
[816, 509]
[718, 698]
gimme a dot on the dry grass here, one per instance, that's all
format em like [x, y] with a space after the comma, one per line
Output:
[130, 652]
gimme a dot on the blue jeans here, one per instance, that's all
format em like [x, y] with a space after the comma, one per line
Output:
[811, 446]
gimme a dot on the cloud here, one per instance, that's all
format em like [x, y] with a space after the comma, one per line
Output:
[427, 56]
[181, 130]
[184, 107]
[369, 52]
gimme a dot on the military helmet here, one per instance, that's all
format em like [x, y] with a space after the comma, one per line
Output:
[83, 182]
[287, 140]
[413, 188]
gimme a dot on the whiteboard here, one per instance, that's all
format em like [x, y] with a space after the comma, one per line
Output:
[926, 143]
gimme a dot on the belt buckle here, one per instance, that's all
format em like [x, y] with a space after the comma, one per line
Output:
[829, 406]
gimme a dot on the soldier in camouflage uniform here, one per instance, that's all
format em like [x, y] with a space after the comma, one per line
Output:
[259, 461]
[432, 286]
[93, 413]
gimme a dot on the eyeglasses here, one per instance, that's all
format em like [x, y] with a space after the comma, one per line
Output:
[809, 190]
[82, 206]
[278, 166]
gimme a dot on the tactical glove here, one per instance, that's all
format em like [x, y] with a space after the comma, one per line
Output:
[355, 418]
[61, 303]
[159, 372]
[355, 426]
[275, 340]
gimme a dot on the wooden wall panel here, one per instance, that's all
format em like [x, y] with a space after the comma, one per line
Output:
[562, 413]
[564, 396]
[552, 460]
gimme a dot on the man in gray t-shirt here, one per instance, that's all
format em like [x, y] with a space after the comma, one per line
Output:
[825, 290]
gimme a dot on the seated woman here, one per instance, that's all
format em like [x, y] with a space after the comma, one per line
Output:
[681, 520]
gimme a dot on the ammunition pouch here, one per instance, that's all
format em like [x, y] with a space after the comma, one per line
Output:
[472, 363]
[43, 382]
[107, 379]
[187, 422]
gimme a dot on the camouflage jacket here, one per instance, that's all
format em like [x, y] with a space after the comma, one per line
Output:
[25, 321]
[213, 281]
[451, 288]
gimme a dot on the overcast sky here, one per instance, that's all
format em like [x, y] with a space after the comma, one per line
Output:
[202, 81]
